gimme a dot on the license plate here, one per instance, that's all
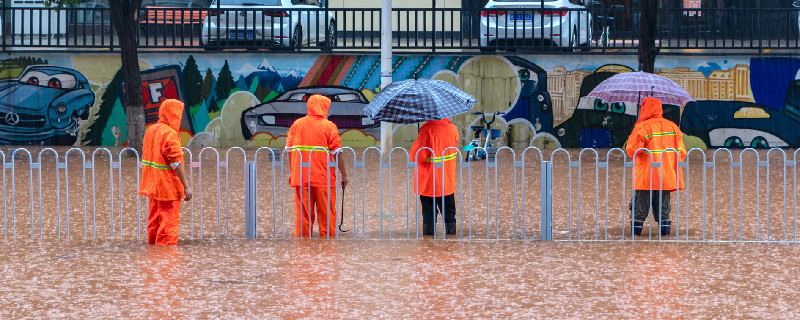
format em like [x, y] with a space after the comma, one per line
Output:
[240, 34]
[521, 16]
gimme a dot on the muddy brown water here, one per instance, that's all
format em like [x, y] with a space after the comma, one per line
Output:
[119, 276]
[311, 279]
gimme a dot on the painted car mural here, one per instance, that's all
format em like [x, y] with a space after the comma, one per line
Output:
[44, 105]
[534, 102]
[597, 124]
[277, 115]
[736, 124]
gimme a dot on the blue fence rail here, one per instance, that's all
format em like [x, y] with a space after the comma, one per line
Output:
[525, 194]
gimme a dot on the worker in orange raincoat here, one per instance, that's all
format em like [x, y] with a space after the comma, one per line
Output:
[163, 179]
[441, 136]
[653, 185]
[314, 187]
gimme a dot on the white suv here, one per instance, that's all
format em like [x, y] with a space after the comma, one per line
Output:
[562, 23]
[264, 23]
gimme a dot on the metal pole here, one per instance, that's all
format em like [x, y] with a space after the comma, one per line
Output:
[547, 201]
[250, 200]
[386, 67]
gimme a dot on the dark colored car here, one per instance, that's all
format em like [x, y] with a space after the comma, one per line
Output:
[44, 105]
[276, 116]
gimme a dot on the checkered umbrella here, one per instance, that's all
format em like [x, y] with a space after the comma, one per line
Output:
[634, 86]
[412, 101]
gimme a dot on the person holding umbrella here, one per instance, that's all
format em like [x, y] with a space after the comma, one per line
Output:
[435, 150]
[315, 139]
[653, 185]
[432, 183]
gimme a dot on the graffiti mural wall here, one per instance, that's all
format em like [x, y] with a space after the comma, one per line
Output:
[251, 99]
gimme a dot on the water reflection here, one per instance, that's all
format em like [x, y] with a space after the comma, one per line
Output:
[164, 281]
[313, 279]
[310, 279]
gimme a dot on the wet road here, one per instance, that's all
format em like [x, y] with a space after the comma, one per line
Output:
[304, 279]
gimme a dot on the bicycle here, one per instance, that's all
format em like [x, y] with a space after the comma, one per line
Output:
[489, 149]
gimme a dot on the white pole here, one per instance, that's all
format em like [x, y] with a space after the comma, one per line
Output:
[386, 67]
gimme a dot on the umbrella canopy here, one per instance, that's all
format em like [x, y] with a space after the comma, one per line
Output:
[634, 86]
[412, 101]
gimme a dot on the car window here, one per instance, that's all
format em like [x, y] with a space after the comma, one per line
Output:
[346, 97]
[296, 97]
[58, 81]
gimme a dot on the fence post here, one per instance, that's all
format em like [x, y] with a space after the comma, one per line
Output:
[250, 200]
[547, 200]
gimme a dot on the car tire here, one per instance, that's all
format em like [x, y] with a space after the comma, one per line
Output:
[297, 38]
[330, 37]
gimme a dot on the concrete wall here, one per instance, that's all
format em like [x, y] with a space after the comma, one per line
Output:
[742, 101]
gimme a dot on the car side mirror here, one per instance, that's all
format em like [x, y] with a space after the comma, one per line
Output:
[577, 2]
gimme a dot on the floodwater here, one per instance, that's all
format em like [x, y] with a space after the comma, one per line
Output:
[311, 279]
[102, 269]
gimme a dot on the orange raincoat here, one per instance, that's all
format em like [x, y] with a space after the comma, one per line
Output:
[442, 137]
[656, 134]
[162, 147]
[314, 132]
[310, 132]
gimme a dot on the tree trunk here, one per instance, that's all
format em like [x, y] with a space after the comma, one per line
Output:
[647, 35]
[124, 15]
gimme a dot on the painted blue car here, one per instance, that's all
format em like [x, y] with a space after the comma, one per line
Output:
[44, 106]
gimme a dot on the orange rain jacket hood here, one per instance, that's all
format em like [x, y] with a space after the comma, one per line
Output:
[314, 132]
[162, 146]
[442, 137]
[656, 134]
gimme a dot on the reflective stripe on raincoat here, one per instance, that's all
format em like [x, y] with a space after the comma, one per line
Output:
[314, 132]
[657, 135]
[161, 147]
[439, 136]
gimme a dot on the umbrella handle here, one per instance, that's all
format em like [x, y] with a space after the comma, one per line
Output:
[341, 220]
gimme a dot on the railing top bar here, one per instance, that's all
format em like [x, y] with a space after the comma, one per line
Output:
[227, 153]
[541, 155]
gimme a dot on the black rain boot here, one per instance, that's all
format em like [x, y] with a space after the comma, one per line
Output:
[427, 229]
[637, 227]
[666, 225]
[451, 228]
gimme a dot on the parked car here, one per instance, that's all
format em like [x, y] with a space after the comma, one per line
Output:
[276, 116]
[558, 23]
[250, 24]
[44, 105]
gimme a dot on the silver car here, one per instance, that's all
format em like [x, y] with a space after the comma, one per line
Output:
[561, 23]
[277, 115]
[264, 23]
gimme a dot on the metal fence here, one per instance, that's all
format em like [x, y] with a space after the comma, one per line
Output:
[533, 29]
[525, 194]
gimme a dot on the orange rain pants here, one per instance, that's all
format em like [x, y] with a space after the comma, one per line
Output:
[319, 199]
[162, 222]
